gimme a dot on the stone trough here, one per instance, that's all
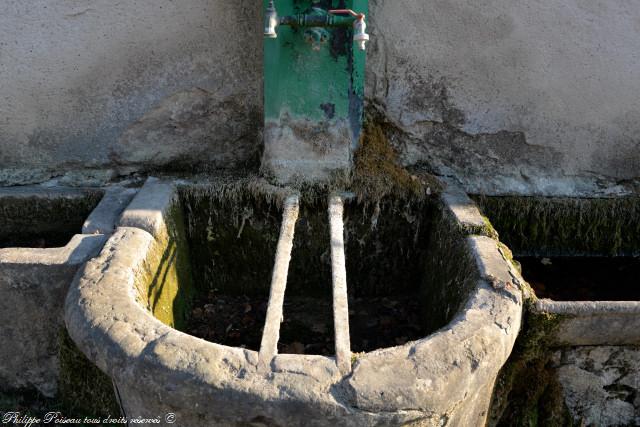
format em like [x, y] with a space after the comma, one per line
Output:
[45, 236]
[591, 325]
[178, 241]
[574, 229]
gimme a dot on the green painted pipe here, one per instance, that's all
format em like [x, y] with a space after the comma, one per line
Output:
[317, 17]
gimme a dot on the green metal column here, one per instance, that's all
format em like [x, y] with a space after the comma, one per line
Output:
[313, 97]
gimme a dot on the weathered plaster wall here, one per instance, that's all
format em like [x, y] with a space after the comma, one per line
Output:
[510, 96]
[502, 93]
[98, 84]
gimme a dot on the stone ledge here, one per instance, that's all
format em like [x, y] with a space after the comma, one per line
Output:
[80, 248]
[150, 207]
[593, 322]
[462, 208]
[105, 216]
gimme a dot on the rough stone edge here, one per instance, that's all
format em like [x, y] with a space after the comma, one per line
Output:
[444, 364]
[47, 192]
[80, 248]
[592, 322]
[103, 219]
[464, 211]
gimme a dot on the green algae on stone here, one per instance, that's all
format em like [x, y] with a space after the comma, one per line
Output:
[165, 284]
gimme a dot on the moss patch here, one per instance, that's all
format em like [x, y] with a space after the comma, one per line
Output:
[566, 226]
[527, 392]
[377, 172]
[84, 389]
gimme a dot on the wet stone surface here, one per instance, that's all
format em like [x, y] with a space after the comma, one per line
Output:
[583, 278]
[307, 327]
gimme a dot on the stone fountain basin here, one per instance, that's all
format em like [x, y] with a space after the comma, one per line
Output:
[64, 227]
[574, 227]
[125, 305]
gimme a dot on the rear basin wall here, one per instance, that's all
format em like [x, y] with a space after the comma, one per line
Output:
[223, 239]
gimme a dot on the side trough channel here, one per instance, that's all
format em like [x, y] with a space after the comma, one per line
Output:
[234, 302]
[46, 235]
[580, 257]
[577, 360]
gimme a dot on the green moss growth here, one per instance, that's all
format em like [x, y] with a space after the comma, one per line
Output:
[356, 356]
[527, 392]
[484, 230]
[84, 389]
[551, 226]
[376, 170]
[230, 227]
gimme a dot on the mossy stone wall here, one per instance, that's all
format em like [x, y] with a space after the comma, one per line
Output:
[233, 240]
[44, 220]
[552, 226]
